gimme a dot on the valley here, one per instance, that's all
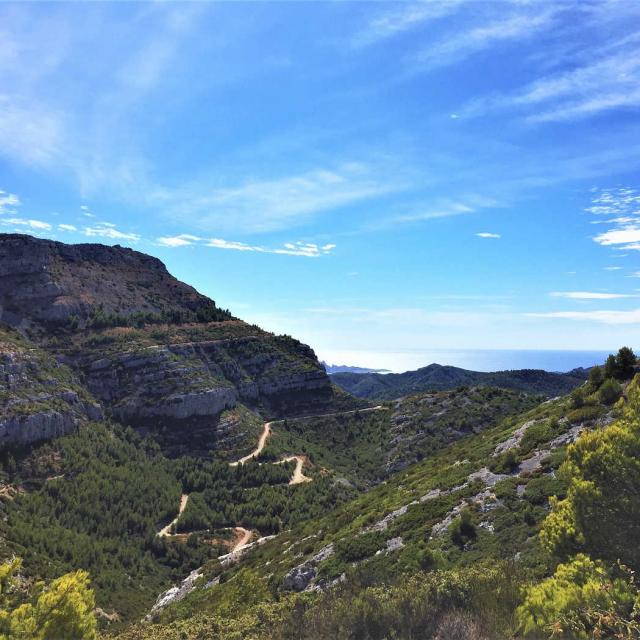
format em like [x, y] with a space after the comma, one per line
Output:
[214, 481]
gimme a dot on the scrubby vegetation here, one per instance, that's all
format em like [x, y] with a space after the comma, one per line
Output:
[367, 446]
[100, 319]
[96, 499]
[543, 585]
[62, 609]
[501, 525]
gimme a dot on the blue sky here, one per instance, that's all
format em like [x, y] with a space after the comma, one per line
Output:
[377, 179]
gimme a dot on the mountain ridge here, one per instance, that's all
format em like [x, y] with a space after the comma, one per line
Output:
[437, 377]
[47, 284]
[155, 353]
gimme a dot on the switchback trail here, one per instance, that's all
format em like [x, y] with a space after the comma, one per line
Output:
[298, 477]
[262, 440]
[184, 498]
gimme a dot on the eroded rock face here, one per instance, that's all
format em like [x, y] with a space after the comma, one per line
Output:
[299, 578]
[43, 282]
[174, 374]
[303, 576]
[39, 399]
[183, 381]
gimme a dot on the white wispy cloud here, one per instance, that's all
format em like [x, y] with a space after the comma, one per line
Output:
[487, 234]
[36, 225]
[401, 18]
[604, 317]
[8, 201]
[109, 231]
[269, 205]
[29, 134]
[612, 268]
[456, 47]
[181, 240]
[444, 210]
[304, 249]
[619, 208]
[67, 227]
[608, 79]
[591, 295]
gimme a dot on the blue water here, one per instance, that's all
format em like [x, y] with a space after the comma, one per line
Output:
[498, 360]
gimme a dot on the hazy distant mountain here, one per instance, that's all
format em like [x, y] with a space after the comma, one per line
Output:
[343, 368]
[436, 377]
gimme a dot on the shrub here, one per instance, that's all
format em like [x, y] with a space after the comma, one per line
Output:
[596, 378]
[625, 362]
[609, 392]
[601, 513]
[577, 398]
[506, 462]
[462, 529]
[584, 414]
[560, 605]
[63, 609]
[363, 546]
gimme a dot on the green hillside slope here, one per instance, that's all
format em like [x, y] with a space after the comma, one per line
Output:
[455, 535]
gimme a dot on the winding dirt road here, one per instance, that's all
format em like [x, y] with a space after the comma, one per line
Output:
[298, 477]
[262, 440]
[184, 498]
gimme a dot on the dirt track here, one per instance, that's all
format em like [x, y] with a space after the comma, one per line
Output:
[166, 531]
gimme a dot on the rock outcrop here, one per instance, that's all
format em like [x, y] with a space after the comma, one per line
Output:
[39, 398]
[154, 352]
[44, 283]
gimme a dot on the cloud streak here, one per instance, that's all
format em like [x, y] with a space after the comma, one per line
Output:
[619, 208]
[303, 249]
[591, 295]
[403, 18]
[603, 317]
[608, 79]
[458, 46]
[259, 206]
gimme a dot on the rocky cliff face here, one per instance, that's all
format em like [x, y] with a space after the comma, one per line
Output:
[45, 284]
[174, 378]
[204, 378]
[39, 398]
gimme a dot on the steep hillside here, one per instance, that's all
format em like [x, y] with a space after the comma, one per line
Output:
[367, 446]
[463, 524]
[39, 398]
[435, 377]
[155, 353]
[48, 285]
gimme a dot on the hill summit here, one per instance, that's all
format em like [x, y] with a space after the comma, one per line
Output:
[46, 284]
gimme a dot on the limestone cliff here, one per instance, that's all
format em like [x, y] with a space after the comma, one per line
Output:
[39, 398]
[46, 284]
[154, 352]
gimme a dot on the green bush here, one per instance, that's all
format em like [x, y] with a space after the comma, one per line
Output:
[562, 606]
[506, 462]
[609, 392]
[462, 529]
[584, 414]
[363, 546]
